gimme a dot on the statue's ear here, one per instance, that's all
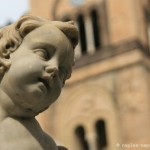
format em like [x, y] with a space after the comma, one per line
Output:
[8, 48]
[4, 65]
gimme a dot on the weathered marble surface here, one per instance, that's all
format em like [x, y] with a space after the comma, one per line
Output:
[36, 57]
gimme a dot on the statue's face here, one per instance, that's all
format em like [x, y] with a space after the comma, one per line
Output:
[38, 69]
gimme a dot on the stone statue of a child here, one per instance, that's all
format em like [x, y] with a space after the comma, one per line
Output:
[36, 57]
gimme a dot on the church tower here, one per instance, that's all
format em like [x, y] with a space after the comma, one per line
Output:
[106, 103]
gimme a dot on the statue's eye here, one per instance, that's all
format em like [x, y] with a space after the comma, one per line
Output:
[42, 53]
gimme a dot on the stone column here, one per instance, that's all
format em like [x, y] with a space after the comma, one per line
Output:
[91, 140]
[89, 35]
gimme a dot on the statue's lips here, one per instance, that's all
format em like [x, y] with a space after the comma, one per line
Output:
[46, 82]
[47, 79]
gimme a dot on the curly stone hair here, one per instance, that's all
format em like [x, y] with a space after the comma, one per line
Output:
[12, 36]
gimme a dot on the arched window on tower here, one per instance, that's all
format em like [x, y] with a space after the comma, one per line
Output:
[82, 33]
[80, 133]
[101, 135]
[95, 24]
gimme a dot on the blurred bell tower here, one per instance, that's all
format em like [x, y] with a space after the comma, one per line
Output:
[106, 103]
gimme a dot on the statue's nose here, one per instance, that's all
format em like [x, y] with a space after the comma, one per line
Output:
[52, 70]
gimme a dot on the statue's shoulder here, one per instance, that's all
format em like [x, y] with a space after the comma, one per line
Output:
[11, 129]
[9, 124]
[20, 131]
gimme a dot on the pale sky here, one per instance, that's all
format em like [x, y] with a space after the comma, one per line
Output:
[11, 10]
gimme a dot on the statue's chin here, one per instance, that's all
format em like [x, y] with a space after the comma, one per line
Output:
[32, 113]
